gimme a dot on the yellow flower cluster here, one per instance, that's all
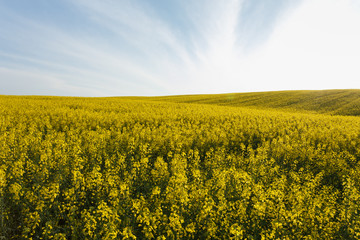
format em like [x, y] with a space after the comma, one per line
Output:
[133, 168]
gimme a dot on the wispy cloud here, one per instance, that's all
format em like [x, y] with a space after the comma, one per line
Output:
[315, 47]
[138, 48]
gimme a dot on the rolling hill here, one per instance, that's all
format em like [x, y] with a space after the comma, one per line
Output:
[334, 102]
[234, 166]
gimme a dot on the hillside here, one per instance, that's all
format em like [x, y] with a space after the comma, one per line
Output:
[123, 168]
[334, 102]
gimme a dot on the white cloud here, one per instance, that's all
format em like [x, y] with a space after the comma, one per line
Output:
[313, 46]
[316, 47]
[170, 64]
[215, 63]
[26, 82]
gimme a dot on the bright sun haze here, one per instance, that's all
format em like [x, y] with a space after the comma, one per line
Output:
[149, 48]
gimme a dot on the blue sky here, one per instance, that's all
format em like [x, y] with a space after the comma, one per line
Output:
[165, 47]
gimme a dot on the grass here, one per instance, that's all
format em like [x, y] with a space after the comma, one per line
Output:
[333, 102]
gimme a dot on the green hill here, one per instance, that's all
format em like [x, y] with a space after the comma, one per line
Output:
[334, 102]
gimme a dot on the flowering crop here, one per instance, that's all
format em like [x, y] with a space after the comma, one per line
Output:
[133, 168]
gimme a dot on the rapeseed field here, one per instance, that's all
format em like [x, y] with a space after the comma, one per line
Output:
[151, 168]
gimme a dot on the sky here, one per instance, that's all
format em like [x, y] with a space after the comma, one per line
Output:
[168, 47]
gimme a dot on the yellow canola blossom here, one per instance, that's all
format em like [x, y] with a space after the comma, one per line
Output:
[135, 168]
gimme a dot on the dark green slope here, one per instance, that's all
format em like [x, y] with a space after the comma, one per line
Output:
[337, 102]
